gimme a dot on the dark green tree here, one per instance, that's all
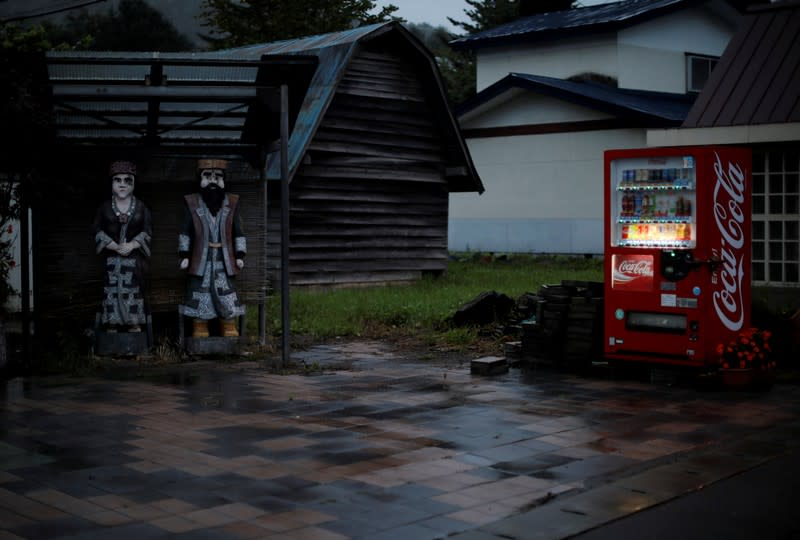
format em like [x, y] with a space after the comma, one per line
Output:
[132, 26]
[232, 23]
[453, 65]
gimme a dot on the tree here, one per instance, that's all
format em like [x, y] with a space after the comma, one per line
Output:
[132, 26]
[486, 14]
[453, 65]
[233, 23]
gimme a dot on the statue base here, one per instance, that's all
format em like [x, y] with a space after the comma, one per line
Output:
[212, 345]
[120, 343]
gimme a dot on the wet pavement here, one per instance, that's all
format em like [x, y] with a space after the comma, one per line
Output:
[376, 446]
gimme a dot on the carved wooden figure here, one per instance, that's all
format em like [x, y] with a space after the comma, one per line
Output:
[122, 234]
[212, 248]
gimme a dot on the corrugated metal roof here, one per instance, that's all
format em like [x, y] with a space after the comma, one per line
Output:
[659, 108]
[173, 102]
[304, 45]
[333, 51]
[757, 80]
[600, 17]
[221, 73]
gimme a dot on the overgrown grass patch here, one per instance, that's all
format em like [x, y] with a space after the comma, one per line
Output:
[423, 308]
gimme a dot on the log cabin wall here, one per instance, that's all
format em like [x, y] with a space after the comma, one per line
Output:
[369, 203]
[69, 275]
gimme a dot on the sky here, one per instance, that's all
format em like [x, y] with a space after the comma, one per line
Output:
[433, 12]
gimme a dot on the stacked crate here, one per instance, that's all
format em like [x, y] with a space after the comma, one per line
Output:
[568, 327]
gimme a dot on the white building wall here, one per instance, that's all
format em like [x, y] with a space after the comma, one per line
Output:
[544, 193]
[560, 60]
[652, 55]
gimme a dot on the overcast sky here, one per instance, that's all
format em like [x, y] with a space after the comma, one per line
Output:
[433, 12]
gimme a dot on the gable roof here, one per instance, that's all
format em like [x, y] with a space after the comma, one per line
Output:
[757, 79]
[603, 17]
[654, 108]
[334, 52]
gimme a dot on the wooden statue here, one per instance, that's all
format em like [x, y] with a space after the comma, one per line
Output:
[212, 248]
[122, 234]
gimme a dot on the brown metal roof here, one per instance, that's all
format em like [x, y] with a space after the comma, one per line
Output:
[757, 80]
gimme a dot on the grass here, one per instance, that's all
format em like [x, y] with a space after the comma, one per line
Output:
[422, 309]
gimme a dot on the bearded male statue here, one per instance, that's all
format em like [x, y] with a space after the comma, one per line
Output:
[212, 248]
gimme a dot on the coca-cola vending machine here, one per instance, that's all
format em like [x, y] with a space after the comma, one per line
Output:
[677, 252]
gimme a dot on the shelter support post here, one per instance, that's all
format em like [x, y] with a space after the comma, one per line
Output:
[285, 326]
[262, 303]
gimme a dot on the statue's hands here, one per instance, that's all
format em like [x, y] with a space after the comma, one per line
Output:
[239, 263]
[126, 248]
[184, 264]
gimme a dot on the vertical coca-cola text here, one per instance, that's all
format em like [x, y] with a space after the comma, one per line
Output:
[729, 197]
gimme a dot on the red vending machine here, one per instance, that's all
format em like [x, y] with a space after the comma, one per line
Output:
[677, 252]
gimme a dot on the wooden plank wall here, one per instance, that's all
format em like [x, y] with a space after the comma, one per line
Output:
[369, 204]
[69, 274]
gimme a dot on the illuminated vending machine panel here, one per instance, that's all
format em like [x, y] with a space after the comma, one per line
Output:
[653, 202]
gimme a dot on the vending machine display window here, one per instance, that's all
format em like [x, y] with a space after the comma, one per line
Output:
[653, 202]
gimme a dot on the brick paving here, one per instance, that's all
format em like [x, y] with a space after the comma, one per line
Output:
[378, 446]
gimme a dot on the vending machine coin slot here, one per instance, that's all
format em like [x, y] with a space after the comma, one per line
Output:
[676, 264]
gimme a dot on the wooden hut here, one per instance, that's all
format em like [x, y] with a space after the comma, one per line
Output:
[373, 153]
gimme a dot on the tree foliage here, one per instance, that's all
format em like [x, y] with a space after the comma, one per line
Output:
[233, 23]
[455, 66]
[23, 101]
[132, 26]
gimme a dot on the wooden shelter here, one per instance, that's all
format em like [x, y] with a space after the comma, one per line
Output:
[372, 154]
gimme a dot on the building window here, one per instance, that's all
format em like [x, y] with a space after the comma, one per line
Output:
[698, 70]
[776, 217]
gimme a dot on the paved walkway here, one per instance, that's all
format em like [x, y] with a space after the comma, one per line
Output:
[377, 447]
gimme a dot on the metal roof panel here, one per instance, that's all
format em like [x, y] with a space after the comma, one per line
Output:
[603, 15]
[657, 106]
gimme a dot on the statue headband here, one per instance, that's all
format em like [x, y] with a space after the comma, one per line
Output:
[211, 164]
[122, 167]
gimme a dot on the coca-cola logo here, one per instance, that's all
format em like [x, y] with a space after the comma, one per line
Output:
[636, 268]
[729, 194]
[632, 272]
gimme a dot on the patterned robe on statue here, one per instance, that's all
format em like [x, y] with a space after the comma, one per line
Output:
[124, 283]
[212, 244]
